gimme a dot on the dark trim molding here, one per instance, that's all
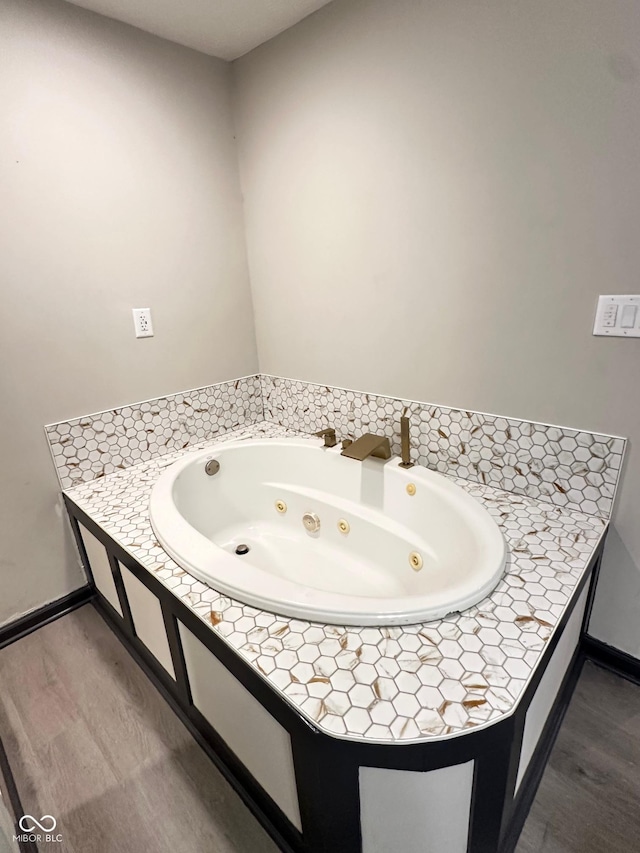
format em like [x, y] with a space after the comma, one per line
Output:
[611, 658]
[10, 788]
[43, 615]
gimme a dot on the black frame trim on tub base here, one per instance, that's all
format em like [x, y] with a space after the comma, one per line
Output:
[327, 768]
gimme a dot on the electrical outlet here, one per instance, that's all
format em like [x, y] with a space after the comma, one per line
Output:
[142, 322]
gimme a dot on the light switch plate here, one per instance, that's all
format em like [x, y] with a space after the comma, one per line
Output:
[618, 316]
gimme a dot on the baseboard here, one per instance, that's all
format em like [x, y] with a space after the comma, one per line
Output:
[43, 615]
[611, 658]
[10, 791]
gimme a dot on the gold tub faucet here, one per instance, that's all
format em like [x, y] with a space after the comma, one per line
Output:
[368, 445]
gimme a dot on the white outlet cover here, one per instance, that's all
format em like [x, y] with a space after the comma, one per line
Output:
[142, 322]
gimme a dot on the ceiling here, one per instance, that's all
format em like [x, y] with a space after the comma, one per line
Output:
[224, 28]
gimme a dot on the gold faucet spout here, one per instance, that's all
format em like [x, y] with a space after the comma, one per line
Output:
[368, 445]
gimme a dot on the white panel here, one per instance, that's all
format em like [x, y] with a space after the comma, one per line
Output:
[100, 568]
[258, 740]
[413, 812]
[550, 684]
[148, 622]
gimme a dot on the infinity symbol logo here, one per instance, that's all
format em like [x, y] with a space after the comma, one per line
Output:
[40, 824]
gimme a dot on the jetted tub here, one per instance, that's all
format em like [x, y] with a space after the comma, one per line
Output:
[392, 546]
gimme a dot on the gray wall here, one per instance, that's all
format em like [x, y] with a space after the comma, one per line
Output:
[435, 194]
[119, 189]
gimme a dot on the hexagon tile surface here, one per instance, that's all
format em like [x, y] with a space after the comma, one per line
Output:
[571, 468]
[406, 683]
[89, 447]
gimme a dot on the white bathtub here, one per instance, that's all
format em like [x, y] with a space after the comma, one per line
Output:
[414, 547]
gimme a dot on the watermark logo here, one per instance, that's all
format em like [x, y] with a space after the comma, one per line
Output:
[46, 826]
[47, 823]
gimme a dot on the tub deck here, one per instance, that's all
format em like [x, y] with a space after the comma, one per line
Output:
[410, 683]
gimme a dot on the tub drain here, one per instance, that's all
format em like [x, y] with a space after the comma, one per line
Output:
[242, 549]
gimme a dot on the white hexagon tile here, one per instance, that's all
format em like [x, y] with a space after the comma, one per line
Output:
[571, 468]
[407, 683]
[89, 447]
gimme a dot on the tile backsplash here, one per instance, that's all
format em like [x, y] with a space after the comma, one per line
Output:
[94, 445]
[571, 468]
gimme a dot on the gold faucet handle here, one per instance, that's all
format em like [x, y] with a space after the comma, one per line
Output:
[405, 444]
[329, 435]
